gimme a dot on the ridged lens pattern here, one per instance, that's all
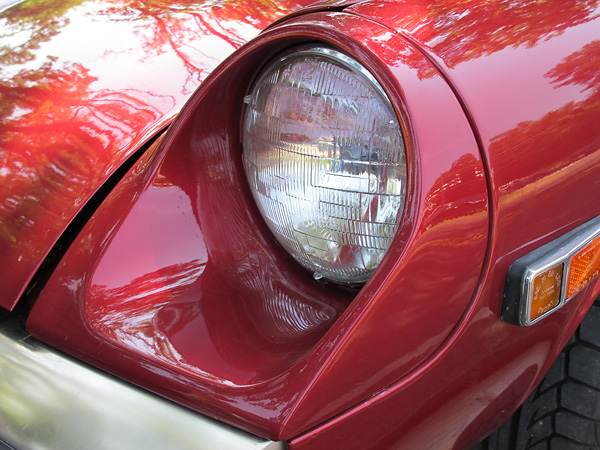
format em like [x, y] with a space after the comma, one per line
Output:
[325, 159]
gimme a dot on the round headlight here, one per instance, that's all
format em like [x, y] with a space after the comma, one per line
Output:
[325, 159]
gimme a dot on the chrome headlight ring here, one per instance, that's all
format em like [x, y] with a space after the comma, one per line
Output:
[325, 159]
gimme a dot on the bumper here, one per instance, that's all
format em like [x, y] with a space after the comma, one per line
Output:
[51, 401]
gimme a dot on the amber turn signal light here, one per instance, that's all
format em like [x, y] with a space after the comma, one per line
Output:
[544, 280]
[547, 287]
[585, 266]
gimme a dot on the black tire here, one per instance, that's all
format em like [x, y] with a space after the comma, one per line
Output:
[563, 413]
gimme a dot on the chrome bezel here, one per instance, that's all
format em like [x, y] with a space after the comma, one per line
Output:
[349, 63]
[561, 252]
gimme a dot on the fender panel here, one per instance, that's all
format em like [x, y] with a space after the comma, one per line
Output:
[85, 85]
[182, 264]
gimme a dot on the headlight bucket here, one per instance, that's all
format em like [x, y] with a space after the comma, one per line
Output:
[218, 316]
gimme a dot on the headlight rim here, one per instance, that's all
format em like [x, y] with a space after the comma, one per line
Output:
[347, 60]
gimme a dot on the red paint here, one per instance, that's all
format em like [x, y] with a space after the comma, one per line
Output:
[528, 76]
[178, 272]
[176, 284]
[85, 86]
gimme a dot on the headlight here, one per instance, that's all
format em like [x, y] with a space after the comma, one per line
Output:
[325, 159]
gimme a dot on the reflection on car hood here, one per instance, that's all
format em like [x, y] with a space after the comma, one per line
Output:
[83, 84]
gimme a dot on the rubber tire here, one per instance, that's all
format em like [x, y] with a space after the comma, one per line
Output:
[563, 413]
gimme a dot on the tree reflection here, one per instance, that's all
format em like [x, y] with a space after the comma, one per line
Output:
[64, 128]
[580, 68]
[463, 30]
[574, 126]
[467, 29]
[471, 29]
[193, 30]
[54, 133]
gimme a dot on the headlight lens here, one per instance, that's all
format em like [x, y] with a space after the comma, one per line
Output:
[325, 158]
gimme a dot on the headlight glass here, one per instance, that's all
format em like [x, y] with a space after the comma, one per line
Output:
[325, 159]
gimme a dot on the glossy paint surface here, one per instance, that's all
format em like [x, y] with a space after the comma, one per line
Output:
[53, 402]
[462, 394]
[177, 285]
[531, 87]
[83, 84]
[527, 73]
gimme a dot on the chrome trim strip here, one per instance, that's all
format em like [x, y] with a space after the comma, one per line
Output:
[51, 401]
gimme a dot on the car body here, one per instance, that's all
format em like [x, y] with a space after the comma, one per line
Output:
[142, 252]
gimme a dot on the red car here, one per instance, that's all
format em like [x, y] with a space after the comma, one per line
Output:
[343, 224]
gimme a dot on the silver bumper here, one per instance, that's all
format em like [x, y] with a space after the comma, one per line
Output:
[50, 401]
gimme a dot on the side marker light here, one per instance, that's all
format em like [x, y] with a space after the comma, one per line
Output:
[585, 266]
[546, 291]
[544, 280]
